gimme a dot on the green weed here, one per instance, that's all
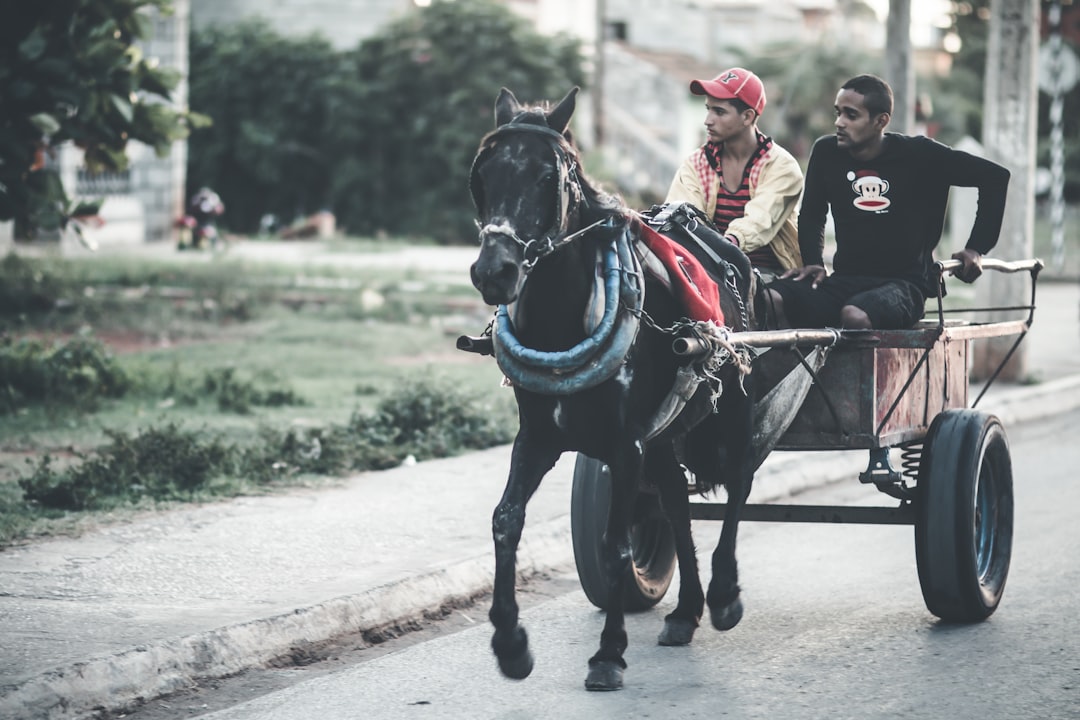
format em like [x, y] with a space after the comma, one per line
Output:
[170, 463]
[166, 463]
[77, 374]
[238, 394]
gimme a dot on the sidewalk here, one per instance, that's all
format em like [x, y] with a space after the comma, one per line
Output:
[139, 610]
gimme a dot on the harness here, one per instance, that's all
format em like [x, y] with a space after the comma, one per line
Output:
[620, 289]
[569, 201]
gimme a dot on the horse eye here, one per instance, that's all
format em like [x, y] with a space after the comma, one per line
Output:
[547, 178]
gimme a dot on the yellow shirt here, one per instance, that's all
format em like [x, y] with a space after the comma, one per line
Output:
[776, 182]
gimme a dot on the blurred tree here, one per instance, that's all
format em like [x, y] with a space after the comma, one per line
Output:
[71, 70]
[383, 135]
[803, 81]
[273, 100]
[421, 99]
[958, 97]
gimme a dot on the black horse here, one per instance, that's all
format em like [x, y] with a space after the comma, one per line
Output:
[586, 337]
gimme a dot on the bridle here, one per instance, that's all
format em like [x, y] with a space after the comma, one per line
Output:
[569, 198]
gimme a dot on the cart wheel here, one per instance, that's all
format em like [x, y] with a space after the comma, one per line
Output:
[651, 539]
[964, 515]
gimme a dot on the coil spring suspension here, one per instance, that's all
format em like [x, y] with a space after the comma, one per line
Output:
[880, 472]
[911, 460]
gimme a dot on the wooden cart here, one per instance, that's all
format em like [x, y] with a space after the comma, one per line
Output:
[853, 390]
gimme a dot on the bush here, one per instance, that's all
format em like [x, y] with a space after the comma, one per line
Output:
[426, 420]
[77, 374]
[161, 463]
[26, 289]
[238, 395]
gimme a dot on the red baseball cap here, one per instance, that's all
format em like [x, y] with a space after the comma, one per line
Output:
[734, 83]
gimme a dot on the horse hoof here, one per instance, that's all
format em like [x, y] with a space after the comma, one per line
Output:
[604, 675]
[728, 616]
[677, 632]
[518, 667]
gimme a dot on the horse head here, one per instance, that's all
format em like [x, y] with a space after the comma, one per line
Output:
[526, 192]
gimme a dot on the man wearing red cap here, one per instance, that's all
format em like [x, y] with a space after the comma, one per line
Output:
[747, 184]
[887, 194]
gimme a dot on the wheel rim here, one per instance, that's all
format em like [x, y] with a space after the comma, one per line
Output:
[985, 522]
[993, 519]
[647, 538]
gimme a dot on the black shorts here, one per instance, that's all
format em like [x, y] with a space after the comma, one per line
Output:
[890, 303]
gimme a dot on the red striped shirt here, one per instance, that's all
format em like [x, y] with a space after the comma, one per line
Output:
[731, 205]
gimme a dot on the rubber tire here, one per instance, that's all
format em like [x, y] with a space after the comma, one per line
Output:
[964, 516]
[651, 537]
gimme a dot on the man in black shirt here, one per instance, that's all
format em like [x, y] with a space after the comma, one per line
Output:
[887, 193]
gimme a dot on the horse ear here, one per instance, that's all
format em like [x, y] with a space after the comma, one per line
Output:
[506, 107]
[559, 118]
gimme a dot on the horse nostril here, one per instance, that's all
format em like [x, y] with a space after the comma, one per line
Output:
[496, 280]
[507, 274]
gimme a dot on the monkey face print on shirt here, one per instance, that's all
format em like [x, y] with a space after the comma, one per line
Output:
[869, 191]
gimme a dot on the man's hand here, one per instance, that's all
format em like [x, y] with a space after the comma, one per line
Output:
[816, 273]
[972, 268]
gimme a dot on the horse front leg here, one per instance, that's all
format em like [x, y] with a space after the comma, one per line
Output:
[528, 464]
[606, 667]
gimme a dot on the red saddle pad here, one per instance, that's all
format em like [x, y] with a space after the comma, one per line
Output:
[691, 283]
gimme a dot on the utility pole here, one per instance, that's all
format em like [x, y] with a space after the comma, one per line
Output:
[899, 69]
[1009, 135]
[1058, 74]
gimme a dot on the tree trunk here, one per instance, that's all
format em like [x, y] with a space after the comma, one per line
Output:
[899, 70]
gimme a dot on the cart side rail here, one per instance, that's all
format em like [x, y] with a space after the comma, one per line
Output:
[919, 337]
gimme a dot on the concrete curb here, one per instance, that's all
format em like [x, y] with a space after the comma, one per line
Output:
[1034, 402]
[122, 680]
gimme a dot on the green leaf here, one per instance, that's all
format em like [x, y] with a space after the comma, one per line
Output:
[46, 123]
[123, 106]
[33, 47]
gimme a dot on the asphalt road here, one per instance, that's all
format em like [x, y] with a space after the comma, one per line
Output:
[835, 627]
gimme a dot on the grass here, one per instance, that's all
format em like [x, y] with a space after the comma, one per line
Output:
[254, 356]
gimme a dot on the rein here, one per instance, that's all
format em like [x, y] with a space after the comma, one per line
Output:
[543, 246]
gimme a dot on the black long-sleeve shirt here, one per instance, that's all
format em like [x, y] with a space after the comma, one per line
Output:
[888, 213]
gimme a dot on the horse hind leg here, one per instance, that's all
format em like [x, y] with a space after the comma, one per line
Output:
[662, 467]
[510, 642]
[734, 468]
[724, 598]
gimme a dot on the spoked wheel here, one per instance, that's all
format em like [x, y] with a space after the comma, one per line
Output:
[964, 518]
[651, 539]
